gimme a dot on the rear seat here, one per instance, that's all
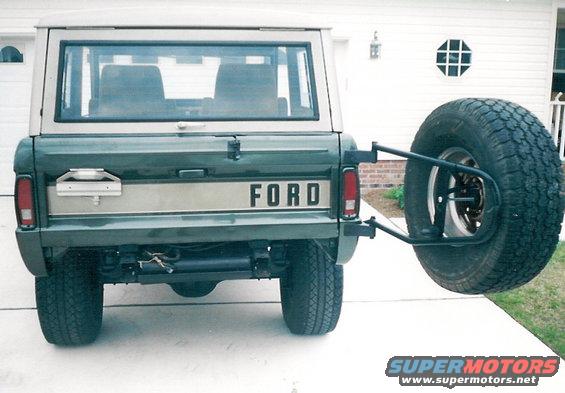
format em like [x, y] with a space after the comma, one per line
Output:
[246, 90]
[130, 91]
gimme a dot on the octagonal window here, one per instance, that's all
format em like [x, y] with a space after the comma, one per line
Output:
[453, 57]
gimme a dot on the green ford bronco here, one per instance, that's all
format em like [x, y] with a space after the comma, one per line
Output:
[191, 147]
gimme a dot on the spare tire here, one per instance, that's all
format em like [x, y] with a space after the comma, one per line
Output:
[509, 143]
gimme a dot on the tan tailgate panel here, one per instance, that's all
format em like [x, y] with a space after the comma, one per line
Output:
[195, 197]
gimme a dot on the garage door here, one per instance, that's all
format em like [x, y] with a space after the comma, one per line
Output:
[16, 63]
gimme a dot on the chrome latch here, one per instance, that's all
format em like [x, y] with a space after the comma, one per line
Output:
[89, 182]
[234, 149]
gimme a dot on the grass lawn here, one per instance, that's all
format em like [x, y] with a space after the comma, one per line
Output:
[539, 306]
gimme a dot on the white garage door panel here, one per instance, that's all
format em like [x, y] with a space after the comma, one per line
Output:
[6, 178]
[15, 91]
[15, 72]
[10, 115]
[13, 132]
[18, 94]
[10, 136]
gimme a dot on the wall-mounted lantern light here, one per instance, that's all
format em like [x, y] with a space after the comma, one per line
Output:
[375, 47]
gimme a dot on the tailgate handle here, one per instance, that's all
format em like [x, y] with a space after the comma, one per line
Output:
[191, 173]
[89, 182]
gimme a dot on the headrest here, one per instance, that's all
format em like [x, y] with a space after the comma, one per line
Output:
[135, 82]
[246, 89]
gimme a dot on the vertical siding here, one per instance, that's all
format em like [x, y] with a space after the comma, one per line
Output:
[387, 99]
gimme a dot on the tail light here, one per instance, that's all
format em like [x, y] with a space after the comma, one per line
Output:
[350, 193]
[24, 202]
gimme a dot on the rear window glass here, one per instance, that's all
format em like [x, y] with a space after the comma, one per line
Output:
[113, 82]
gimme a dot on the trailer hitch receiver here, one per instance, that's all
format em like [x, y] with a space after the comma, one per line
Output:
[433, 235]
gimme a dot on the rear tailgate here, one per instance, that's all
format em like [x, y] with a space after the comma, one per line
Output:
[190, 188]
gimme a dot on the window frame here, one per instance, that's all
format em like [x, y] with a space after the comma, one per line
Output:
[54, 66]
[556, 70]
[60, 76]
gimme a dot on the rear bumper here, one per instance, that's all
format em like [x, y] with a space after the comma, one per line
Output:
[187, 228]
[96, 231]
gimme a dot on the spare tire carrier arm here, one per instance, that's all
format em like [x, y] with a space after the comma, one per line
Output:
[432, 236]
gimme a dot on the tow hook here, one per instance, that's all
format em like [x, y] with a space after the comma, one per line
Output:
[160, 259]
[268, 258]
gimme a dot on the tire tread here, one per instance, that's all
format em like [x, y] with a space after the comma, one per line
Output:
[530, 178]
[311, 294]
[69, 300]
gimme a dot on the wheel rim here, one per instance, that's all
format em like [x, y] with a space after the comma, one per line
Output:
[462, 218]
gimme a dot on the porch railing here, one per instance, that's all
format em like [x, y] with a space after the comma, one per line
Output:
[557, 125]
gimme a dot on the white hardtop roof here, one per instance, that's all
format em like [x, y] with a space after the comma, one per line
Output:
[181, 17]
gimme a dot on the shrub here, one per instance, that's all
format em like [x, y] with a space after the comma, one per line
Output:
[396, 193]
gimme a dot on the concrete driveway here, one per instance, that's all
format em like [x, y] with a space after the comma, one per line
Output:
[234, 340]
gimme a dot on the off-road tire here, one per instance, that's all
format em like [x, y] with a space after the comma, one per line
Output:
[510, 144]
[69, 301]
[312, 288]
[193, 289]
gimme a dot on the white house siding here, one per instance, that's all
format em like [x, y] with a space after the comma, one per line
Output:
[384, 99]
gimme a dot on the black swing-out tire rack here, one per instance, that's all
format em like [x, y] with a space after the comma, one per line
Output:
[515, 160]
[512, 145]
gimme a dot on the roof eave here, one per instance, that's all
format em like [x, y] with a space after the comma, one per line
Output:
[181, 17]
